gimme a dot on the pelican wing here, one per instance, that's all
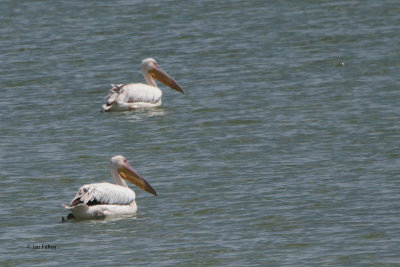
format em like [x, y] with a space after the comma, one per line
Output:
[138, 92]
[103, 193]
[111, 98]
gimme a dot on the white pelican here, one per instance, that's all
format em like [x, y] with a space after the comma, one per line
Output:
[104, 199]
[138, 95]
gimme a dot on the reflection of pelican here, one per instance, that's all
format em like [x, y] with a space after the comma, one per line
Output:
[144, 114]
[105, 199]
[138, 95]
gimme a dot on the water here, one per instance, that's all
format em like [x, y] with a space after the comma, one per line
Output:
[283, 151]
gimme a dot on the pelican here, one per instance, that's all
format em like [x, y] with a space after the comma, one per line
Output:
[138, 95]
[104, 199]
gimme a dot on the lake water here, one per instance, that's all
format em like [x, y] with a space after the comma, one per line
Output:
[283, 151]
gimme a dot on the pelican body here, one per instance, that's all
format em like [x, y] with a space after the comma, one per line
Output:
[100, 200]
[132, 96]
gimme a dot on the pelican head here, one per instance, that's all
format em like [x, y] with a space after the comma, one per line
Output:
[127, 172]
[151, 68]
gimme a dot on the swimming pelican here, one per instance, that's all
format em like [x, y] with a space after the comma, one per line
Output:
[138, 95]
[104, 199]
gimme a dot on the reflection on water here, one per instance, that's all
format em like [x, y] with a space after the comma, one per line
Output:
[142, 114]
[102, 220]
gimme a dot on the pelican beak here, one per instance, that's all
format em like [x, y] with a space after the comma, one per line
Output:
[130, 174]
[158, 73]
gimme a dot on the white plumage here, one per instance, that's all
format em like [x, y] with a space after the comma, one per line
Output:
[138, 95]
[104, 193]
[104, 199]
